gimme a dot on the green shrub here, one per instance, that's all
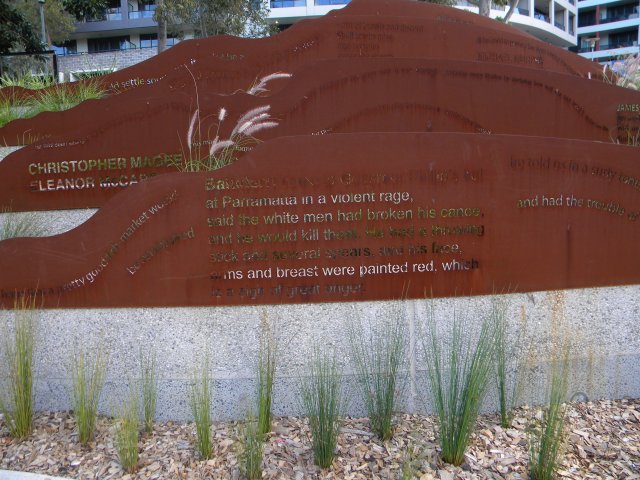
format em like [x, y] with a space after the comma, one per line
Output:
[458, 377]
[18, 357]
[378, 358]
[322, 402]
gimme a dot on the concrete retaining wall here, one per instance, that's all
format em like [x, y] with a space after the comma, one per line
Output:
[602, 325]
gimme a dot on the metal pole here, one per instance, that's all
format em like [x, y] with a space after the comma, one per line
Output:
[43, 33]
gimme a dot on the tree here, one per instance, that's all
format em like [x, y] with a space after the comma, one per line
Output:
[59, 23]
[162, 26]
[484, 6]
[85, 8]
[16, 32]
[245, 18]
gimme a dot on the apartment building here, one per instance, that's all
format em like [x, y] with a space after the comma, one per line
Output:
[553, 21]
[608, 29]
[124, 34]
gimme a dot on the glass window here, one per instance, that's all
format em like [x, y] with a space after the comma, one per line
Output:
[288, 3]
[69, 47]
[109, 44]
[150, 40]
[331, 2]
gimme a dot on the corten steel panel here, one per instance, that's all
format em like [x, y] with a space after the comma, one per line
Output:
[376, 29]
[351, 217]
[336, 96]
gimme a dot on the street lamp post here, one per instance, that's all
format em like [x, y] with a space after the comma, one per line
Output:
[43, 33]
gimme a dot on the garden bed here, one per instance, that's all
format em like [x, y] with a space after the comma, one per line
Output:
[603, 442]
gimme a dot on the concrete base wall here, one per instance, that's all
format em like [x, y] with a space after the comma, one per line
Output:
[602, 325]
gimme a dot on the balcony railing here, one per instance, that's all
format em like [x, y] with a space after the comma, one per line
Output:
[609, 46]
[618, 18]
[559, 25]
[134, 14]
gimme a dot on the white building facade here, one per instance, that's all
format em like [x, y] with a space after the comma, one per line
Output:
[553, 21]
[608, 29]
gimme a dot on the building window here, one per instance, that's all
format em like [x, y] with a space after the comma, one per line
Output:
[619, 13]
[621, 40]
[150, 40]
[586, 19]
[69, 47]
[331, 2]
[109, 44]
[288, 3]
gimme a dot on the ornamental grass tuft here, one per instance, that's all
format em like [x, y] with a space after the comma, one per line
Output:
[459, 367]
[149, 380]
[546, 436]
[126, 434]
[378, 357]
[87, 379]
[18, 359]
[200, 400]
[321, 399]
[267, 362]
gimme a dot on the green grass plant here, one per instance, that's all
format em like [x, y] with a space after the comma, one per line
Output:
[149, 381]
[510, 359]
[126, 433]
[251, 448]
[26, 80]
[18, 357]
[23, 224]
[321, 399]
[378, 357]
[267, 362]
[459, 367]
[62, 97]
[12, 107]
[200, 399]
[546, 437]
[87, 382]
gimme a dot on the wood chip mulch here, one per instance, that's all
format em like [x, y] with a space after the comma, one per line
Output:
[603, 442]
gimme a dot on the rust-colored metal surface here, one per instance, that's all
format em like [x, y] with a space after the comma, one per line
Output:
[365, 28]
[351, 217]
[126, 143]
